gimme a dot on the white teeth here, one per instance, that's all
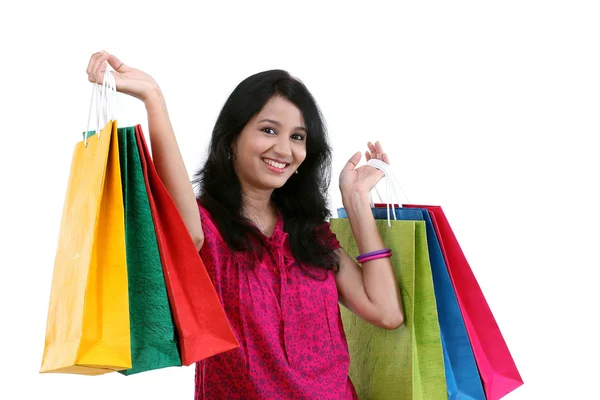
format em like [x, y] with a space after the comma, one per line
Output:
[275, 164]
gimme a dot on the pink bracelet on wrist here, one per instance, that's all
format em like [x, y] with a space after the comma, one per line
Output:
[372, 253]
[375, 257]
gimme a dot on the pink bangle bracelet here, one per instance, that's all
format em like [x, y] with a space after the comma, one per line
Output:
[375, 257]
[373, 253]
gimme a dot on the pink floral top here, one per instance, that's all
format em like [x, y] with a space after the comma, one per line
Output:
[288, 325]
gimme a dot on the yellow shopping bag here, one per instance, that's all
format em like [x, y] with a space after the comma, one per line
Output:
[88, 318]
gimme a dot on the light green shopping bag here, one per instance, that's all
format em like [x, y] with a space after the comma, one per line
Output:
[406, 363]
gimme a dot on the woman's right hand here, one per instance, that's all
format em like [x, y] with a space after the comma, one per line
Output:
[165, 151]
[129, 80]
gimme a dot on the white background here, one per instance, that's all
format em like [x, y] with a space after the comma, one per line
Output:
[488, 109]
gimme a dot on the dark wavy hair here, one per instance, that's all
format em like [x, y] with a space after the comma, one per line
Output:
[301, 201]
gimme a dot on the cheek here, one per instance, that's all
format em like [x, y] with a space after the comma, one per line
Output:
[255, 146]
[300, 154]
[249, 153]
[245, 146]
[246, 162]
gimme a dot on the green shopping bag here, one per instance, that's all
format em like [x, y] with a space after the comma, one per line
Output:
[153, 341]
[406, 363]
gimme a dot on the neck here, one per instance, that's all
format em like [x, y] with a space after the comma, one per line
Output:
[256, 202]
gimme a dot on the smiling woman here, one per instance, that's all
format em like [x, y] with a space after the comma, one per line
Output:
[275, 105]
[263, 129]
[259, 222]
[277, 143]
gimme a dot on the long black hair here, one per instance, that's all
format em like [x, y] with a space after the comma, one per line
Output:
[301, 201]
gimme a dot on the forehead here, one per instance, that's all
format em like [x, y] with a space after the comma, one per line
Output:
[282, 110]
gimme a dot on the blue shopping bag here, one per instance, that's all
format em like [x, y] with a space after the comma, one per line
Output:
[462, 377]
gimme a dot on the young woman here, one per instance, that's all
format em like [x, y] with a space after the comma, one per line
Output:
[259, 225]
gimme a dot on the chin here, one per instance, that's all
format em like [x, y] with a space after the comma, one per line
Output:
[272, 184]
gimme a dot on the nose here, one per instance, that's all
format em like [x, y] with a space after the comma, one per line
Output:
[282, 147]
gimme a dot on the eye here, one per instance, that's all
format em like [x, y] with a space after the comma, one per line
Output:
[297, 136]
[270, 131]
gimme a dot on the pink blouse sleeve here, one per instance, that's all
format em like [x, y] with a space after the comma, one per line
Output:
[213, 245]
[325, 235]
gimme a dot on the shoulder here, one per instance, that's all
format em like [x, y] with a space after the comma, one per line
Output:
[214, 252]
[325, 235]
[204, 214]
[211, 233]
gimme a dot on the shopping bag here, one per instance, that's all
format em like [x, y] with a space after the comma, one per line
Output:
[462, 376]
[202, 326]
[88, 317]
[406, 363]
[153, 341]
[495, 363]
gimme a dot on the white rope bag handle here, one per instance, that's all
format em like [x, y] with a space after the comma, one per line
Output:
[105, 97]
[392, 187]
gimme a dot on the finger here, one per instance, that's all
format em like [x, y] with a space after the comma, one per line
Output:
[100, 67]
[371, 148]
[92, 62]
[374, 152]
[352, 162]
[94, 65]
[379, 150]
[116, 64]
[101, 62]
[385, 158]
[91, 68]
[368, 155]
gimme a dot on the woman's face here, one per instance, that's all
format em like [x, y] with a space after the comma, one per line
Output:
[271, 146]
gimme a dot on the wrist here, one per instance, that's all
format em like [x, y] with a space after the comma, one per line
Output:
[153, 98]
[356, 202]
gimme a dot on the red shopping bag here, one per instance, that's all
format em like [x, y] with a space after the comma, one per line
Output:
[494, 361]
[202, 326]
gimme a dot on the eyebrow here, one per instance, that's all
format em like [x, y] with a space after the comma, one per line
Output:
[278, 124]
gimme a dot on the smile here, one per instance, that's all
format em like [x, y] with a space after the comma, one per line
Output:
[274, 165]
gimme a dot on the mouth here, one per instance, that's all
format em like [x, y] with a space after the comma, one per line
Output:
[275, 166]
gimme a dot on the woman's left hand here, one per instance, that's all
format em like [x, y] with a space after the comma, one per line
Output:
[364, 178]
